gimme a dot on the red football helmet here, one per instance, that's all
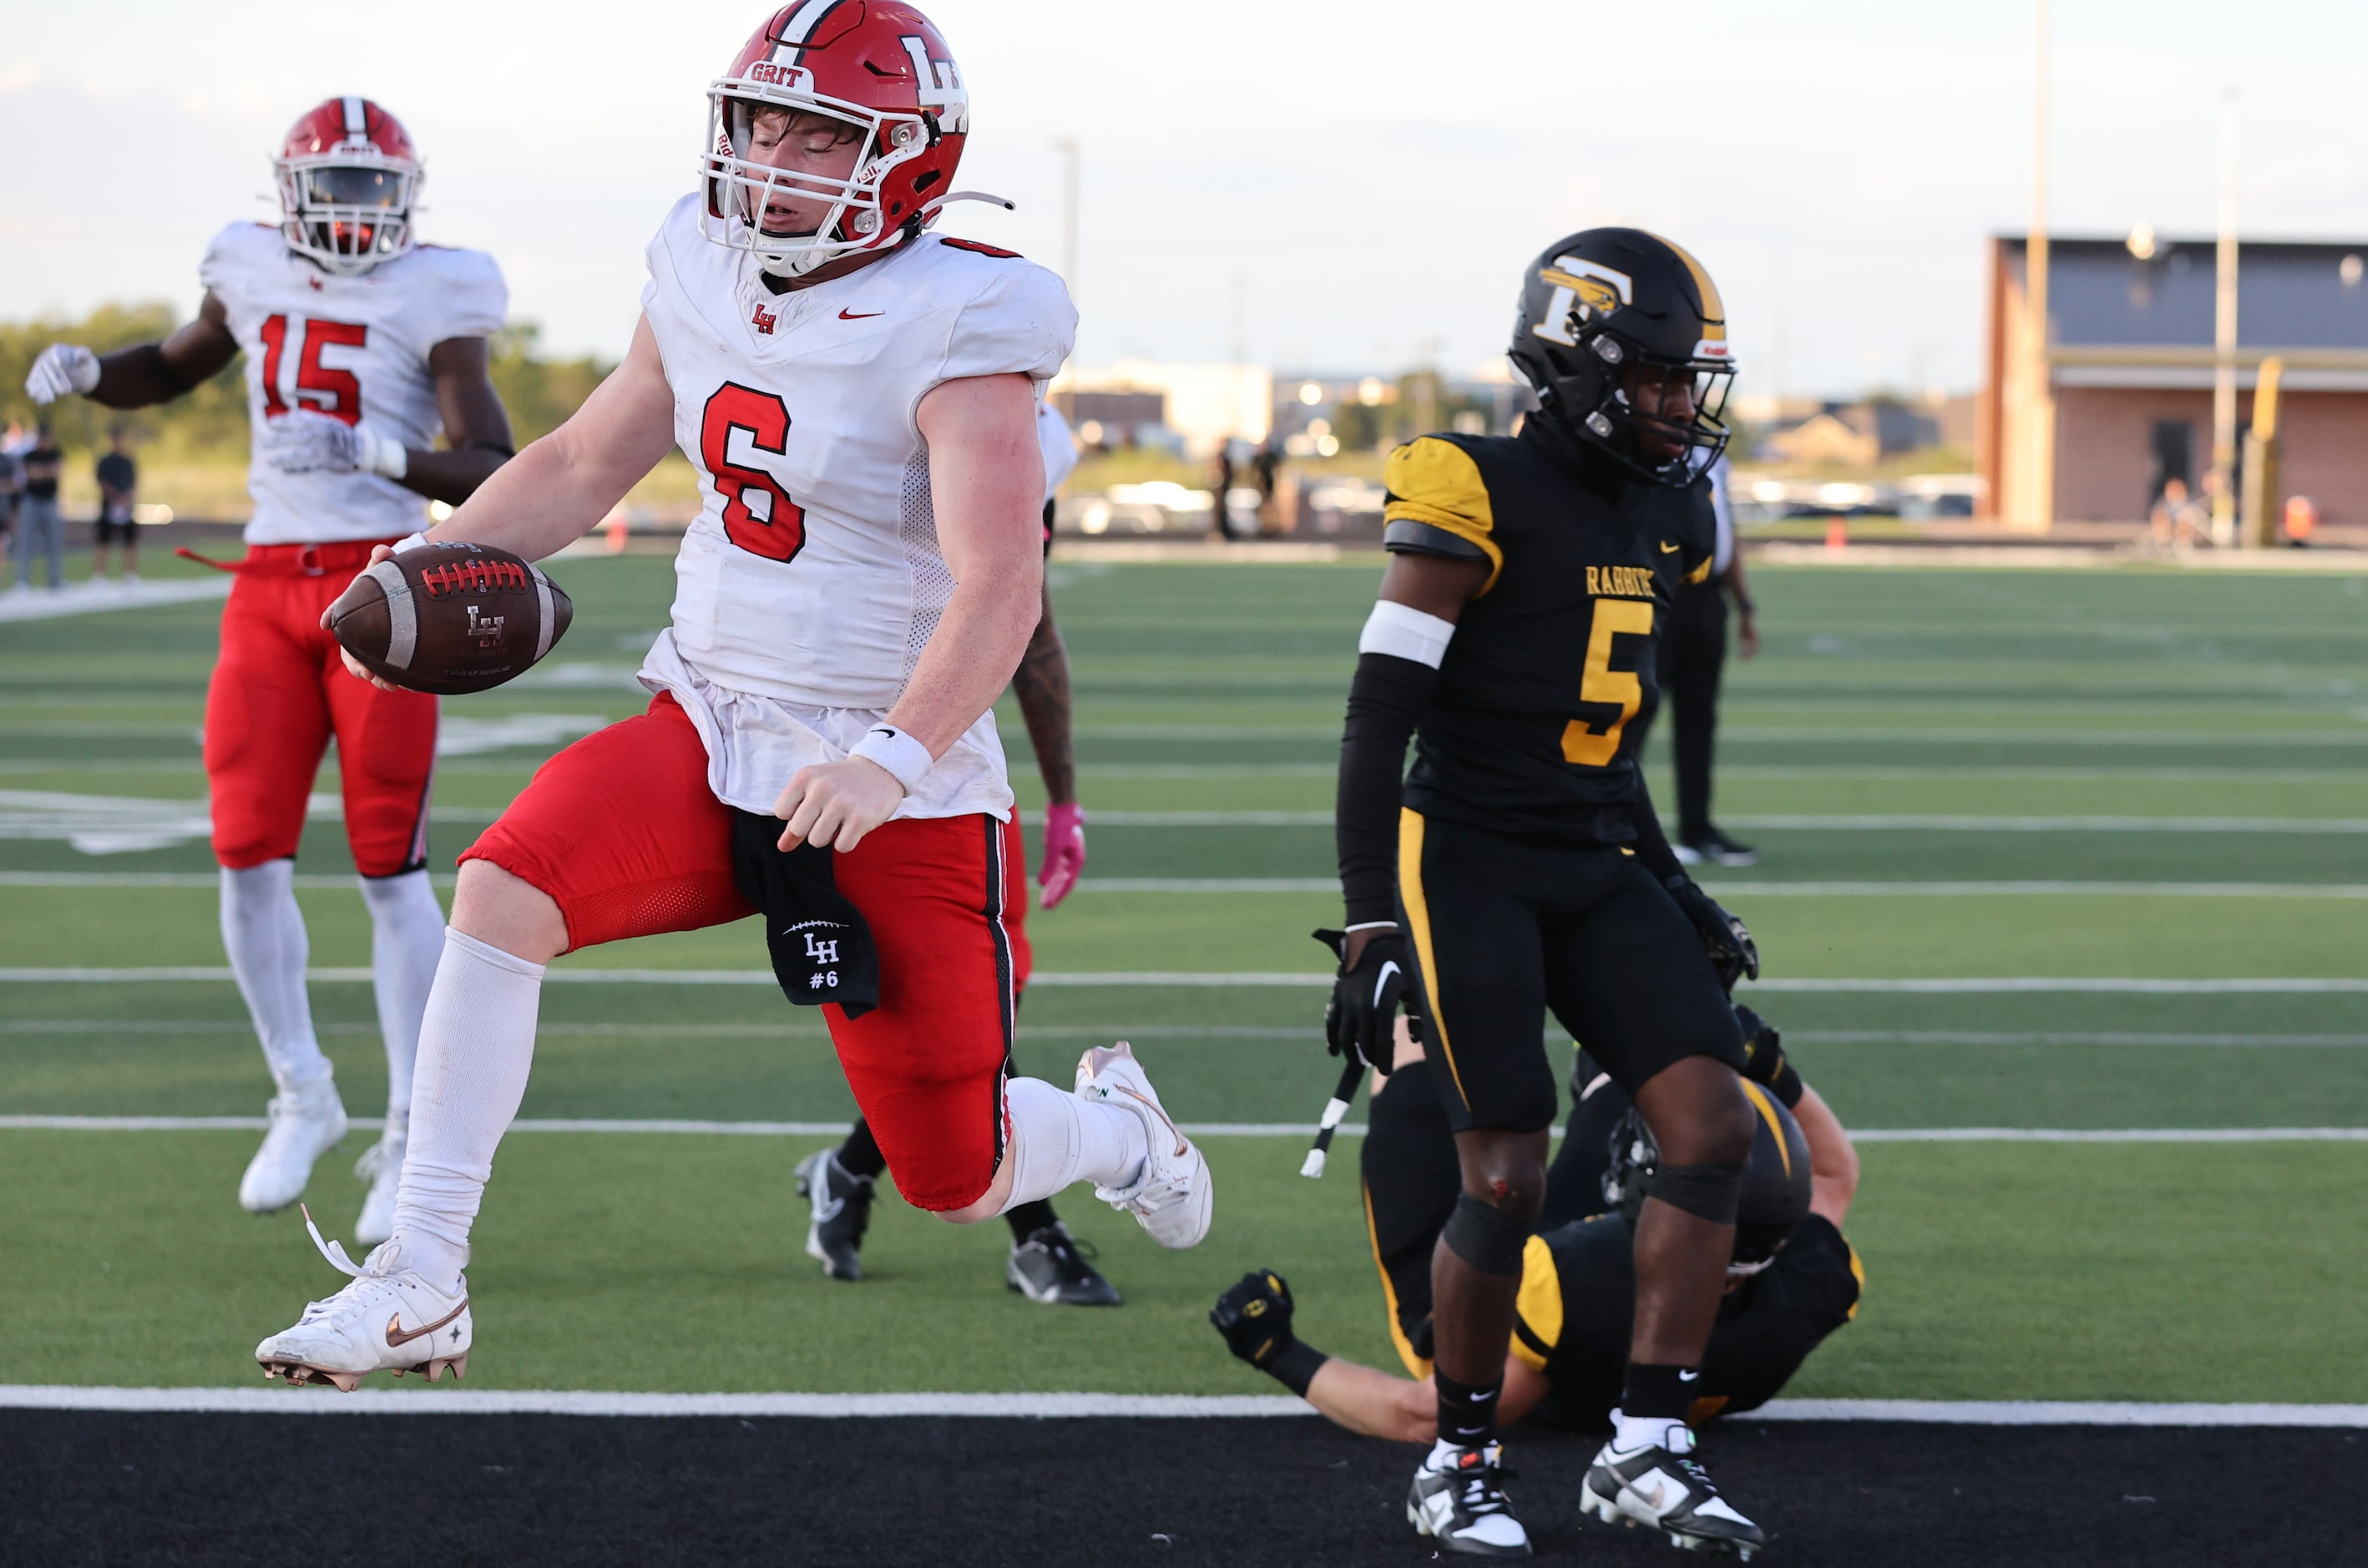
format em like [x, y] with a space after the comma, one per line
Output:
[348, 176]
[873, 74]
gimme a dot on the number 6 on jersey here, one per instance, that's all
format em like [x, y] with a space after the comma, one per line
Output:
[759, 516]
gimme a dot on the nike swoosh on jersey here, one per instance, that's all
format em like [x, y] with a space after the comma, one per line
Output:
[1667, 549]
[845, 314]
[396, 1335]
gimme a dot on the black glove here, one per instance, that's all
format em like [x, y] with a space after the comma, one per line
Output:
[1255, 1318]
[1764, 1060]
[1732, 951]
[1357, 1021]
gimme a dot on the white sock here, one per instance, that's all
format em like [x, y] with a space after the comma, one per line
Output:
[476, 1045]
[263, 931]
[406, 943]
[1630, 1433]
[1058, 1138]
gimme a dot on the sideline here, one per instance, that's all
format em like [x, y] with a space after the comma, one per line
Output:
[89, 598]
[1055, 1406]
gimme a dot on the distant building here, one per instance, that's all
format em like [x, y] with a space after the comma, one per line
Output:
[2131, 363]
[1201, 405]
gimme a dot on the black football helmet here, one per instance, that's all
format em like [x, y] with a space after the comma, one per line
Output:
[1605, 307]
[1776, 1186]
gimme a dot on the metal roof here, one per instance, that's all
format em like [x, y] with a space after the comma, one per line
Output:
[2289, 294]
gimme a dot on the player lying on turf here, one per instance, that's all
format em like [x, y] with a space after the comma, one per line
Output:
[857, 397]
[1518, 866]
[360, 346]
[1793, 1278]
[1046, 1263]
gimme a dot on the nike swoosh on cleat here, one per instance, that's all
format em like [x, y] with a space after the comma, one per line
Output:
[1180, 1144]
[396, 1335]
[845, 314]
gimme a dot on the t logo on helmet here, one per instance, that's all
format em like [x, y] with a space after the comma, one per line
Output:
[1583, 290]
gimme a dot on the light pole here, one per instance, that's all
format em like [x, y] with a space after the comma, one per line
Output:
[1068, 147]
[2038, 511]
[2224, 337]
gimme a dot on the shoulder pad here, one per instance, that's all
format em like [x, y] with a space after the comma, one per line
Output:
[1434, 483]
[1407, 537]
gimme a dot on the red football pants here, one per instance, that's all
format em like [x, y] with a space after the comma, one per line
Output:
[279, 693]
[622, 832]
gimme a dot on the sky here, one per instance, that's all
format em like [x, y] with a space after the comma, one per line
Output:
[1366, 180]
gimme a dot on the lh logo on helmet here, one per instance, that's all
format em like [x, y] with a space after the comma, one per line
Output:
[939, 86]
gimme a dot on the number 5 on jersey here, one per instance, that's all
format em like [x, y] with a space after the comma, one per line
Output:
[1601, 683]
[759, 516]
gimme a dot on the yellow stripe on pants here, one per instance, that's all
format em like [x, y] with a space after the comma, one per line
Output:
[1417, 910]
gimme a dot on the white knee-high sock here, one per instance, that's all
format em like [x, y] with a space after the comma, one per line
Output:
[263, 931]
[1058, 1138]
[476, 1045]
[406, 944]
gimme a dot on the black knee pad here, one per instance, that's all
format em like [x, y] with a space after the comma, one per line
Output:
[1708, 1192]
[1491, 1240]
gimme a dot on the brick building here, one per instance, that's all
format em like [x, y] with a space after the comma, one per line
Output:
[2131, 362]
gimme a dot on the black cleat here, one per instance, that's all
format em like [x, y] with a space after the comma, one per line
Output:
[1461, 1507]
[842, 1212]
[1051, 1266]
[1717, 849]
[1664, 1489]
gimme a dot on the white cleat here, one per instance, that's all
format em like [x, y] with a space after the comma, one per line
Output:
[381, 1167]
[388, 1320]
[306, 1122]
[1173, 1197]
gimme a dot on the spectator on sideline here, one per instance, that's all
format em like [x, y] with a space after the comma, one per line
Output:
[37, 526]
[1692, 655]
[1220, 522]
[11, 491]
[119, 481]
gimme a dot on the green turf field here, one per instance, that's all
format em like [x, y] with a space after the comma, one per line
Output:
[2200, 738]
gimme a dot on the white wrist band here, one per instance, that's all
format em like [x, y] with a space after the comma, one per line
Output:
[1375, 925]
[907, 759]
[1405, 632]
[410, 541]
[383, 454]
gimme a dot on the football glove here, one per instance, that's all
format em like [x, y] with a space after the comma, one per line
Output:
[1764, 1062]
[1065, 852]
[1255, 1318]
[307, 442]
[1732, 951]
[1359, 1020]
[62, 367]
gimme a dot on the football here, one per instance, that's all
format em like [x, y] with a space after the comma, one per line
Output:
[450, 618]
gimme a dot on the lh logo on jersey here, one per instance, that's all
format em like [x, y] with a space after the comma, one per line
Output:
[764, 319]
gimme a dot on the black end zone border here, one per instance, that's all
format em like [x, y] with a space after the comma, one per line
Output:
[124, 1488]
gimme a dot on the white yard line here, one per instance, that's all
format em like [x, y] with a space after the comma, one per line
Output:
[1058, 1406]
[209, 881]
[693, 1127]
[1242, 979]
[91, 597]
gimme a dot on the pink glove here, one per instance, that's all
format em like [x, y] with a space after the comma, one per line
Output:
[1065, 852]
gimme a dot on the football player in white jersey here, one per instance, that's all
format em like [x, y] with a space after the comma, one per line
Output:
[361, 348]
[857, 396]
[1045, 1264]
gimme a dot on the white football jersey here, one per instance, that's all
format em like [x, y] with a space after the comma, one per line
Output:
[811, 580]
[354, 348]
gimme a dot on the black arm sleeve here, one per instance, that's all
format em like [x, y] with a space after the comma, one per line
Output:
[1385, 700]
[1652, 844]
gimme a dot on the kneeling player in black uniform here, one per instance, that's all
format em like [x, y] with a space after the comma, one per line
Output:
[1793, 1280]
[1519, 866]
